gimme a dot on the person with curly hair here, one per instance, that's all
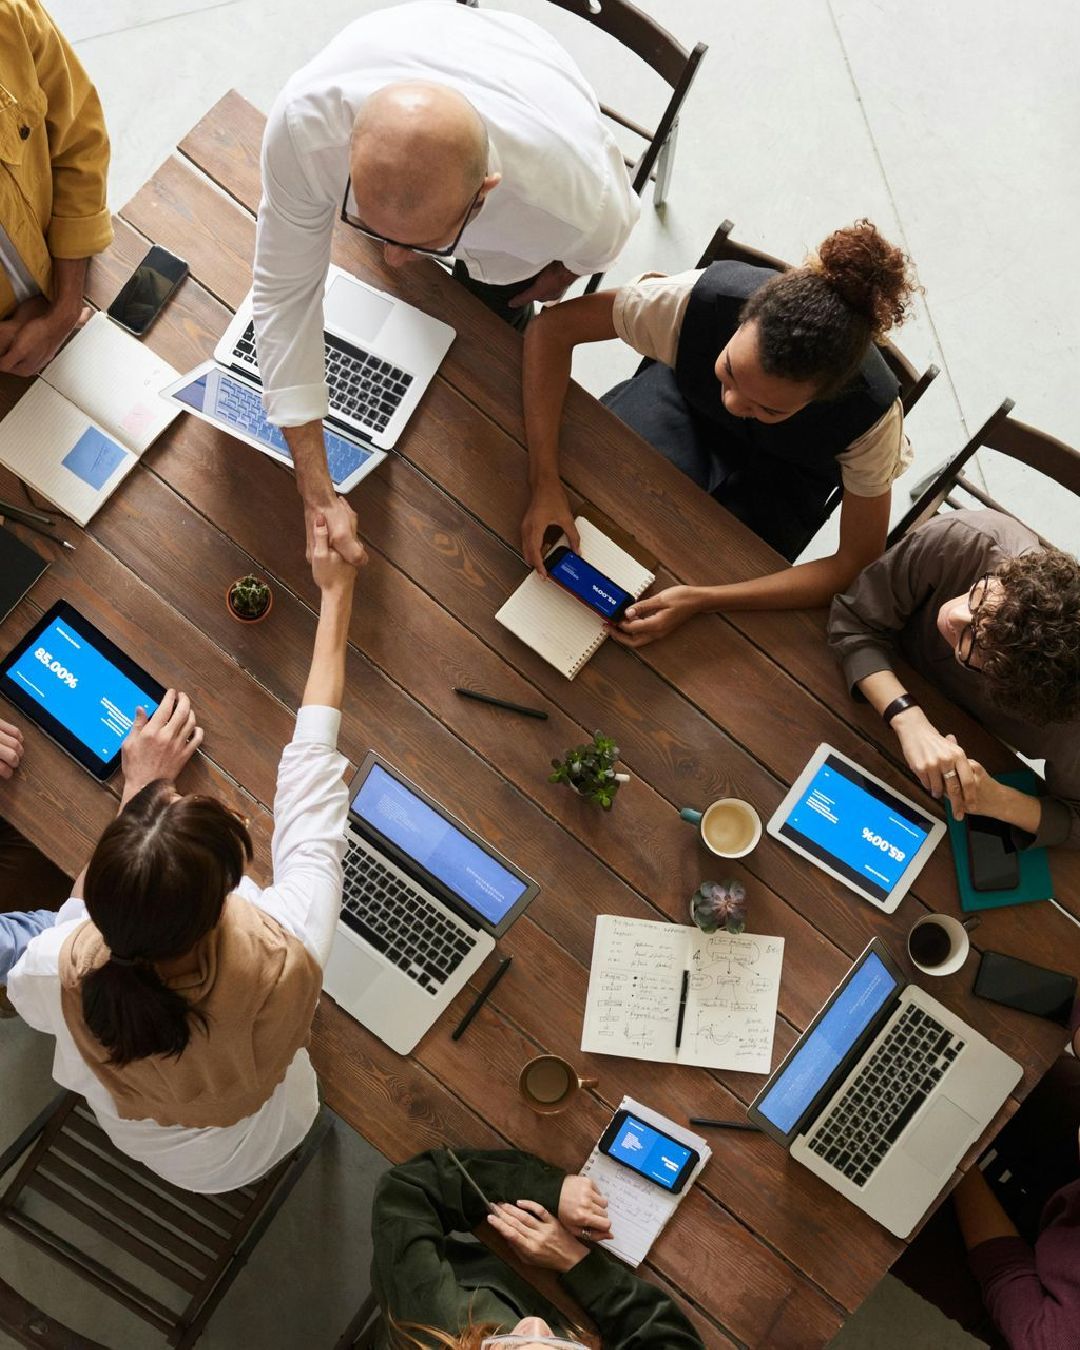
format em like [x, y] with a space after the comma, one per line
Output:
[976, 603]
[765, 388]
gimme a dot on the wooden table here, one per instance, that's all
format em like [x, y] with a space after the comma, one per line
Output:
[762, 1252]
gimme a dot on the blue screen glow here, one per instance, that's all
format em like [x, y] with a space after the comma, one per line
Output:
[597, 590]
[860, 998]
[649, 1152]
[78, 686]
[473, 875]
[855, 827]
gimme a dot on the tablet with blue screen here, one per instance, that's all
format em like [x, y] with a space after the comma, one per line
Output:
[856, 828]
[79, 687]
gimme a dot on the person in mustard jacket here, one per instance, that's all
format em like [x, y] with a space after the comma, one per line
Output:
[54, 160]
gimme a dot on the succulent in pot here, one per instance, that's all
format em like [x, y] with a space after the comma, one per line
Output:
[719, 904]
[249, 599]
[590, 770]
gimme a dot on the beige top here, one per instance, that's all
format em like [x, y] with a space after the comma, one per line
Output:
[648, 316]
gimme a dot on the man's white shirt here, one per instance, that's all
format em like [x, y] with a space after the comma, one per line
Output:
[565, 195]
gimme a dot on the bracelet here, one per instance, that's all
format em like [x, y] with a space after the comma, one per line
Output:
[898, 705]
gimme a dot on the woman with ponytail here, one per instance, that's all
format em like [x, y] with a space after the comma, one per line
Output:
[765, 388]
[179, 992]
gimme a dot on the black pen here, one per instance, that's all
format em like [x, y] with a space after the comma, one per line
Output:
[38, 529]
[481, 998]
[723, 1124]
[24, 513]
[501, 703]
[682, 1007]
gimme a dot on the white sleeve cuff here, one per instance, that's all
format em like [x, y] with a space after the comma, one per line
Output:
[318, 725]
[296, 405]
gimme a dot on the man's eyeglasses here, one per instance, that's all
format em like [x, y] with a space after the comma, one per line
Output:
[512, 1341]
[968, 642]
[447, 252]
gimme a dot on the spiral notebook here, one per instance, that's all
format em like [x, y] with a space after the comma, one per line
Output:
[559, 628]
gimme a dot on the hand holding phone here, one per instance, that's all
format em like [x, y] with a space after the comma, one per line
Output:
[649, 1152]
[145, 293]
[587, 584]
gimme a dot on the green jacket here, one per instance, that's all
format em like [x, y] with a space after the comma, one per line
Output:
[421, 1274]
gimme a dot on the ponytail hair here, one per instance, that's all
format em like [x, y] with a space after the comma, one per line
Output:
[156, 884]
[816, 322]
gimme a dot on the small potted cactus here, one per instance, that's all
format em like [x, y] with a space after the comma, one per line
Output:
[248, 599]
[719, 904]
[590, 771]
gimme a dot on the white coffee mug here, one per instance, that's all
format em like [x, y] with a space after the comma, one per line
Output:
[729, 819]
[959, 943]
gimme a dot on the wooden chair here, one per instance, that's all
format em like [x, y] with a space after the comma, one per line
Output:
[27, 1325]
[361, 1331]
[189, 1248]
[912, 385]
[669, 59]
[1007, 436]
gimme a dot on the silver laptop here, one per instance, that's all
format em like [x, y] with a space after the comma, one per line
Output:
[381, 354]
[425, 900]
[885, 1092]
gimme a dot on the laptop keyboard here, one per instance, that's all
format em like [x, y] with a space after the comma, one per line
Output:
[894, 1082]
[396, 919]
[243, 407]
[362, 386]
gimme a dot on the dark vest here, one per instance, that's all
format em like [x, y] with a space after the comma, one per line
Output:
[812, 438]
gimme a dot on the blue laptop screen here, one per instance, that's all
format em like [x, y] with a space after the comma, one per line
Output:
[860, 999]
[82, 689]
[856, 827]
[432, 841]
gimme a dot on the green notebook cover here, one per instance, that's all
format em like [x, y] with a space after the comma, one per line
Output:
[1035, 882]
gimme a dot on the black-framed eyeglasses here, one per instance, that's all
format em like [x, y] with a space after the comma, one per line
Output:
[447, 252]
[968, 642]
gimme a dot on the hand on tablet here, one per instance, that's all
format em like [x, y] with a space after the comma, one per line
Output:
[11, 748]
[160, 746]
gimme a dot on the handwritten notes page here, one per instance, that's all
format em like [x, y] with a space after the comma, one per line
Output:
[634, 985]
[639, 1209]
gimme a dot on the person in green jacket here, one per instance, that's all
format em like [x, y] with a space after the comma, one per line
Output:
[436, 1289]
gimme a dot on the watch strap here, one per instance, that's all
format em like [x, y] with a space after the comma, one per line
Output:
[899, 704]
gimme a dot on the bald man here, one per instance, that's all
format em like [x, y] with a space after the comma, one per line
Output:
[446, 130]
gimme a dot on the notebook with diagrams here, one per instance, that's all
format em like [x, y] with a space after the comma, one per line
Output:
[885, 1092]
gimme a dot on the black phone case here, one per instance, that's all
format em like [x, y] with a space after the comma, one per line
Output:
[1050, 993]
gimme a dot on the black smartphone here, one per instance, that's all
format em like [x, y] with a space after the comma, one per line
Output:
[144, 294]
[587, 584]
[992, 858]
[1019, 984]
[649, 1152]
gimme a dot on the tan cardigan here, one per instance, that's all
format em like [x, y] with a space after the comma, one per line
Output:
[256, 986]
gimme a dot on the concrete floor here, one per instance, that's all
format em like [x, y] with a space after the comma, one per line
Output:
[952, 126]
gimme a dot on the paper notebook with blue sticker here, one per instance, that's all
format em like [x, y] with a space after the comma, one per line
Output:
[1035, 880]
[82, 425]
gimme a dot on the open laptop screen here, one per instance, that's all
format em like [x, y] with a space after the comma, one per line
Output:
[790, 1092]
[474, 876]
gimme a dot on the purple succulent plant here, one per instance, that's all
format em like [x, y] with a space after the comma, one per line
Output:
[719, 904]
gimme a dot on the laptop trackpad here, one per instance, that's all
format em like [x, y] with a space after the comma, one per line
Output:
[937, 1139]
[354, 310]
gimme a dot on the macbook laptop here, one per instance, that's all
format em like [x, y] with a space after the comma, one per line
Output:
[884, 1093]
[381, 354]
[424, 901]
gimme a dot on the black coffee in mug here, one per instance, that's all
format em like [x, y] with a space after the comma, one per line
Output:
[929, 944]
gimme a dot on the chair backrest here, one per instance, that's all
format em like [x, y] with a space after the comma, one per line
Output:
[723, 248]
[1007, 436]
[189, 1246]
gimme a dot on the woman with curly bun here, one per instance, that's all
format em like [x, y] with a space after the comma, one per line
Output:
[976, 603]
[765, 388]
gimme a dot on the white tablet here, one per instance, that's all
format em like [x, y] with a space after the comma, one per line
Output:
[856, 828]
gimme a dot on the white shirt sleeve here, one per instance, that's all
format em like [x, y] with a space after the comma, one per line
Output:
[310, 810]
[292, 254]
[32, 984]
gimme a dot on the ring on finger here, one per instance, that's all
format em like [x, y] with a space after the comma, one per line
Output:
[585, 1232]
[951, 773]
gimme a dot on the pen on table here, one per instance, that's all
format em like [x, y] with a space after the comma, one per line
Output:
[481, 998]
[38, 529]
[24, 513]
[501, 703]
[682, 1007]
[724, 1124]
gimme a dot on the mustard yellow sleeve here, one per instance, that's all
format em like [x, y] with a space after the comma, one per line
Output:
[78, 142]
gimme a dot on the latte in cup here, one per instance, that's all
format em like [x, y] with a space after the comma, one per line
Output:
[731, 827]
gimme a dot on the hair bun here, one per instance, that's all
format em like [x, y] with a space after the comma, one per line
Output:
[868, 273]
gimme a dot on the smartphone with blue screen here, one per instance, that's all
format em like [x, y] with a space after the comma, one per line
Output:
[649, 1152]
[587, 584]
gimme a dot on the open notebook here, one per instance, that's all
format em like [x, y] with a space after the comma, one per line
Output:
[87, 418]
[559, 628]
